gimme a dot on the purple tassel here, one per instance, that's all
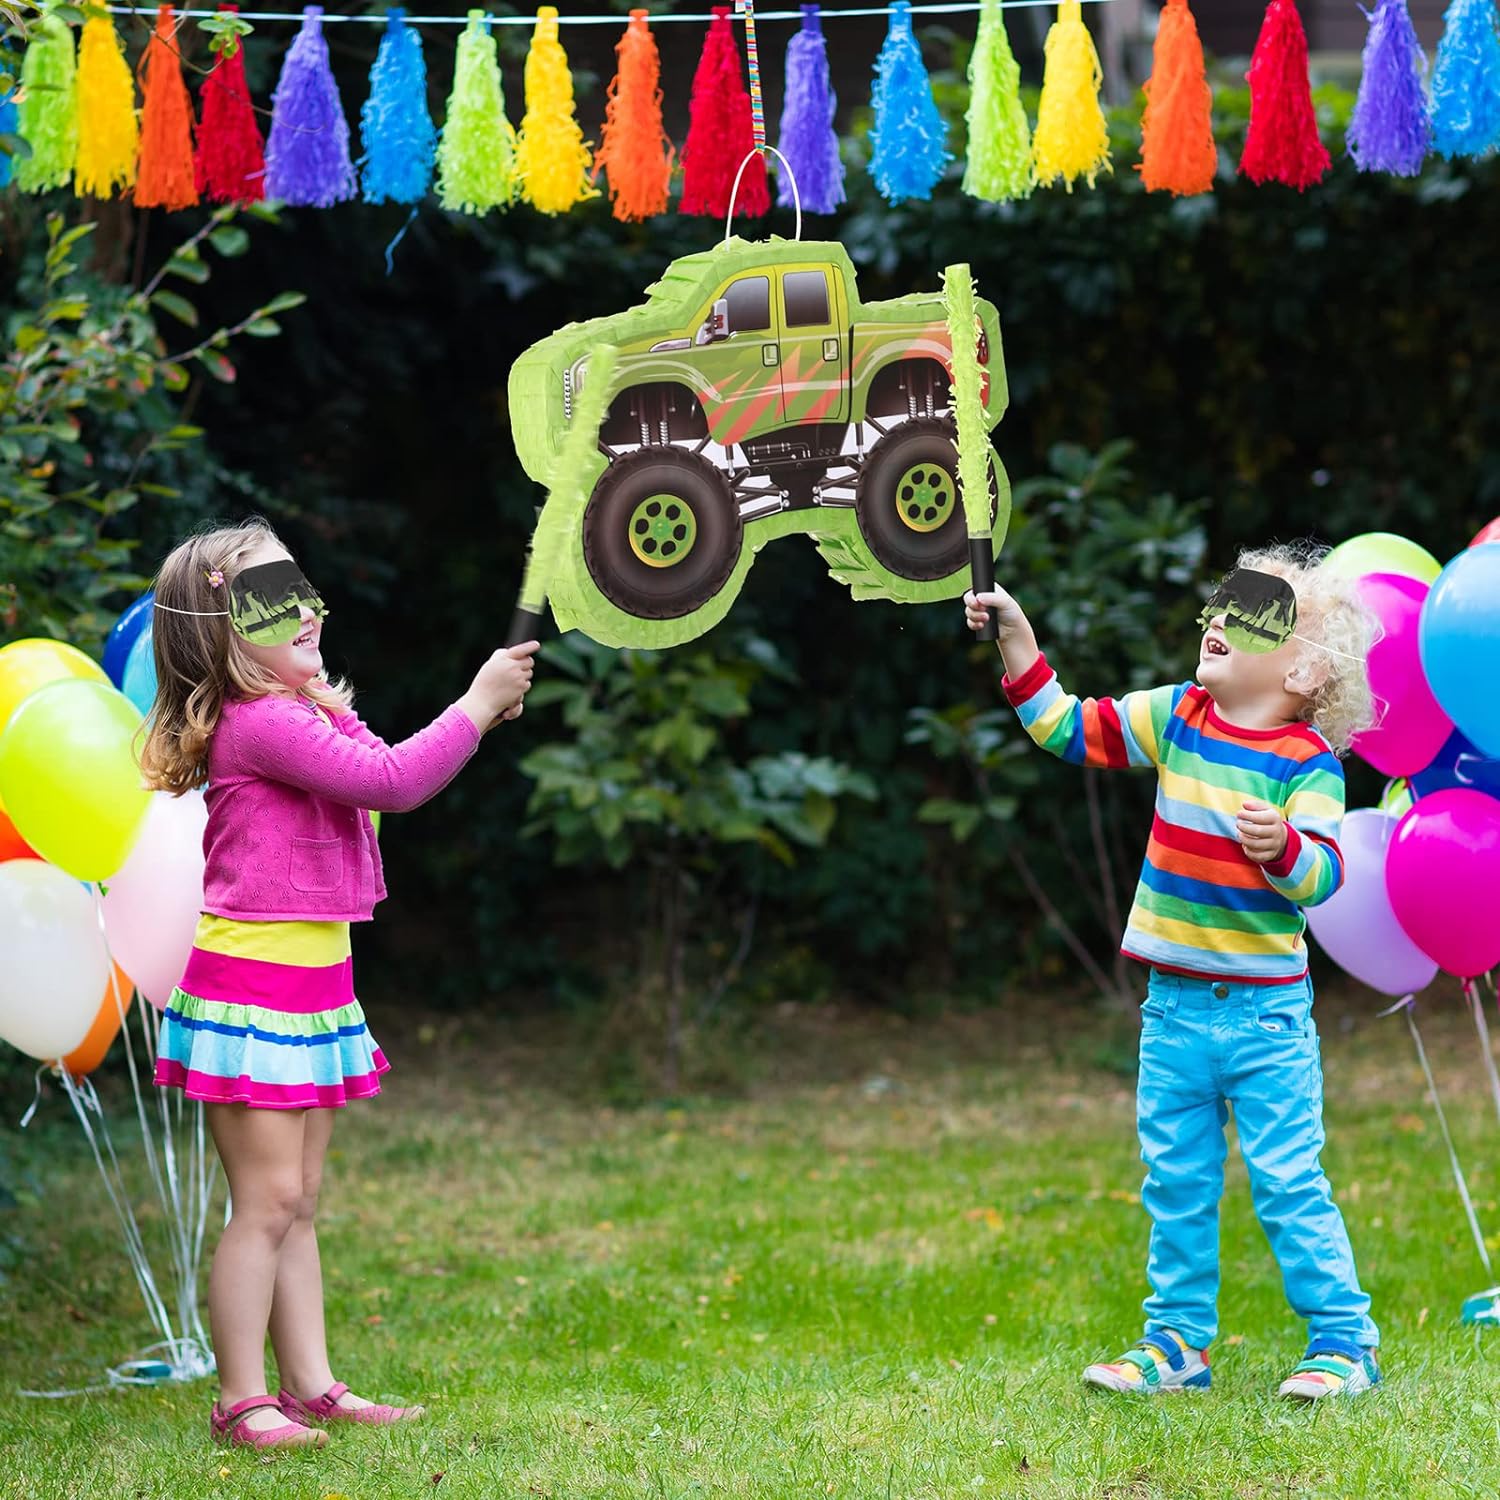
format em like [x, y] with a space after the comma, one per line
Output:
[1389, 130]
[307, 156]
[808, 140]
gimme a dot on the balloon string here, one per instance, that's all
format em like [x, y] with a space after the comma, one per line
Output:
[1476, 1006]
[36, 1097]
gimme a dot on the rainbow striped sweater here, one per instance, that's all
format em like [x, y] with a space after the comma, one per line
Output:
[1203, 907]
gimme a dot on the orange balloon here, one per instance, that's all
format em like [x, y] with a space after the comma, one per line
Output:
[91, 1051]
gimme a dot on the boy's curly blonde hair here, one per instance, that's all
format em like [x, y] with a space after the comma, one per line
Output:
[1330, 613]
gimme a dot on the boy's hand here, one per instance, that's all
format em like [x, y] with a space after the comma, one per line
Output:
[1262, 832]
[1008, 614]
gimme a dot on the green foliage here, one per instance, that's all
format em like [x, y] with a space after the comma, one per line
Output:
[93, 405]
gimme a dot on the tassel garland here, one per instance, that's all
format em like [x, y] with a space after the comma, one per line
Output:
[47, 112]
[552, 157]
[166, 178]
[1072, 138]
[396, 131]
[1178, 154]
[1282, 143]
[634, 148]
[1466, 81]
[231, 165]
[908, 141]
[999, 166]
[477, 149]
[808, 139]
[720, 134]
[307, 156]
[108, 136]
[1389, 129]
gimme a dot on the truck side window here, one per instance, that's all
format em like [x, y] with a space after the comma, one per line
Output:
[806, 294]
[749, 301]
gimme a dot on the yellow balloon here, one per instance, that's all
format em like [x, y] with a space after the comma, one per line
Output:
[1382, 552]
[27, 665]
[69, 776]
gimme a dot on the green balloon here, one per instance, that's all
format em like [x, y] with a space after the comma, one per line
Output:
[1382, 552]
[375, 823]
[69, 777]
[1397, 798]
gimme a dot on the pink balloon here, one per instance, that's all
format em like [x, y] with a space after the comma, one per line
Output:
[1356, 927]
[1486, 534]
[1443, 876]
[1412, 727]
[151, 907]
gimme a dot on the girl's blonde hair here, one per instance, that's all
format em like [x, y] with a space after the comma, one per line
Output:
[1331, 614]
[199, 663]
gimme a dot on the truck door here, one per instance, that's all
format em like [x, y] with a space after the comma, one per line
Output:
[737, 362]
[814, 345]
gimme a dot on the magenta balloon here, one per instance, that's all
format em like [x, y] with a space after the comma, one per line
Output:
[1356, 927]
[1412, 727]
[1443, 877]
[151, 907]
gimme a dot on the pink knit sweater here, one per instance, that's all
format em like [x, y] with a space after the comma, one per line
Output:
[289, 800]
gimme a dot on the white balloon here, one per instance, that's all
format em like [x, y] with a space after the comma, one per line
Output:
[53, 961]
[151, 907]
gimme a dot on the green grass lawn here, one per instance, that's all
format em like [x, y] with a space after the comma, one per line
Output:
[879, 1273]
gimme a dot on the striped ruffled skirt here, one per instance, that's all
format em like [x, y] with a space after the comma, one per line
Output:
[265, 1015]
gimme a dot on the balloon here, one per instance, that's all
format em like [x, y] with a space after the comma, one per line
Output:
[12, 845]
[1381, 552]
[1461, 644]
[55, 964]
[1443, 876]
[1458, 763]
[123, 636]
[27, 665]
[1412, 726]
[375, 822]
[113, 1008]
[139, 680]
[69, 776]
[1356, 927]
[1398, 798]
[1490, 533]
[151, 907]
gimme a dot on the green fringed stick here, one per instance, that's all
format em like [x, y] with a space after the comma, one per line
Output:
[567, 494]
[973, 430]
[1000, 166]
[48, 108]
[477, 153]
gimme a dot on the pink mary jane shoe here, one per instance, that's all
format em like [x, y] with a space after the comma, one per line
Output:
[227, 1427]
[326, 1408]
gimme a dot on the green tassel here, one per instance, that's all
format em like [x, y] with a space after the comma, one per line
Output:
[999, 166]
[48, 110]
[477, 153]
[967, 398]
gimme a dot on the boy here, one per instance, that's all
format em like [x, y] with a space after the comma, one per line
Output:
[1250, 796]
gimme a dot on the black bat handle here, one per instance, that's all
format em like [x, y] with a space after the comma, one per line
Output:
[524, 626]
[982, 577]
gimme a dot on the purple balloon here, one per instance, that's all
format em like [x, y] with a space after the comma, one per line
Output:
[1356, 926]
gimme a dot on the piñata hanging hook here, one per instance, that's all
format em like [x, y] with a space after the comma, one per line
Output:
[746, 8]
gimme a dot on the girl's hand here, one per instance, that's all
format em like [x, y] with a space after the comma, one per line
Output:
[1262, 832]
[500, 685]
[1009, 615]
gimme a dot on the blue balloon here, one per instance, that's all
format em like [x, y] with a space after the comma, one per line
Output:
[1458, 764]
[123, 636]
[138, 681]
[1460, 643]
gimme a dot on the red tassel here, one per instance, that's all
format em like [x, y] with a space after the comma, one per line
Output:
[165, 176]
[231, 161]
[1282, 143]
[720, 135]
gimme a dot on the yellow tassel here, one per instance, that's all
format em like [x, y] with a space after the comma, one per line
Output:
[108, 134]
[552, 157]
[1071, 138]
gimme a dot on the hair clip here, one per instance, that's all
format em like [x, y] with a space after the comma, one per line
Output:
[215, 578]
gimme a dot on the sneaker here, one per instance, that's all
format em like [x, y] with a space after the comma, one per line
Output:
[1331, 1367]
[1160, 1362]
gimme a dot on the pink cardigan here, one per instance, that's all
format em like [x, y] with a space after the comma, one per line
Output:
[289, 837]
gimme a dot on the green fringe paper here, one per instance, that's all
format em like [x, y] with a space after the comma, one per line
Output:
[968, 402]
[1000, 166]
[477, 153]
[48, 108]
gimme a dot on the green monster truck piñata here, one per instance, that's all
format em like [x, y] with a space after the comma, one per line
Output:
[751, 396]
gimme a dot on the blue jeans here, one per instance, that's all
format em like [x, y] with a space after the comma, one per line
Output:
[1206, 1045]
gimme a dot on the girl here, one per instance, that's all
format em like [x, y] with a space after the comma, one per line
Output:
[265, 1028]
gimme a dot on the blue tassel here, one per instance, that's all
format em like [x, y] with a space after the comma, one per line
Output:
[1466, 81]
[399, 137]
[909, 138]
[10, 119]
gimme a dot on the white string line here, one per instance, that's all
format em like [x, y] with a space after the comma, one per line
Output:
[948, 8]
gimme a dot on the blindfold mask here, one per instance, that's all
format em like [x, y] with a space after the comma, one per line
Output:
[1259, 609]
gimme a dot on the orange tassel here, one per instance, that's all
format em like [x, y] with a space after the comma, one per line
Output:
[634, 149]
[1178, 154]
[165, 178]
